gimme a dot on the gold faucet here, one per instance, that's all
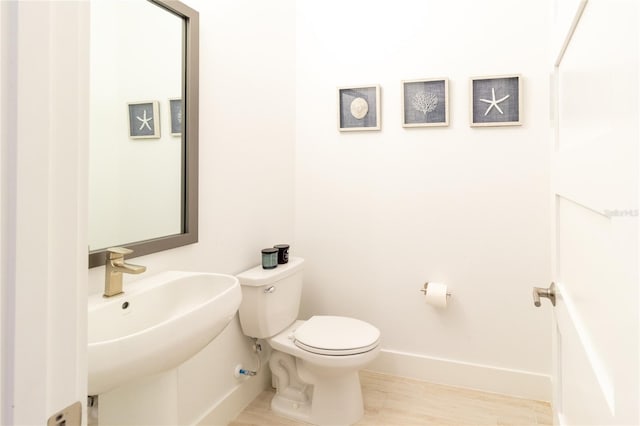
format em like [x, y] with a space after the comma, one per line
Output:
[115, 268]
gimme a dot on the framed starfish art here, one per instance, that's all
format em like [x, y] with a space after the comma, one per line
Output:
[359, 108]
[144, 120]
[496, 101]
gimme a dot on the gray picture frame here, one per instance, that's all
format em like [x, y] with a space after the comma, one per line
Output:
[175, 114]
[495, 100]
[144, 119]
[359, 108]
[425, 102]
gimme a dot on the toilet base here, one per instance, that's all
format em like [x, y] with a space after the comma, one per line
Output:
[291, 409]
[313, 394]
[331, 401]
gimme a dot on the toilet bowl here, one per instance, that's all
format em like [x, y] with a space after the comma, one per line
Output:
[335, 396]
[314, 363]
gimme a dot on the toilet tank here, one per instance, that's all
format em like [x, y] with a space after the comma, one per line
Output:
[270, 298]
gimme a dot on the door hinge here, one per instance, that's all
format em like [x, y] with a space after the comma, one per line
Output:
[70, 416]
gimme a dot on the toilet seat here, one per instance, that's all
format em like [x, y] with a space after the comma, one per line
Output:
[334, 335]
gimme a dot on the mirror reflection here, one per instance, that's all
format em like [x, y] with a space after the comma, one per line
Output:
[136, 146]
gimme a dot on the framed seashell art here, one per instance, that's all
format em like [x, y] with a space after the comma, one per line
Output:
[359, 108]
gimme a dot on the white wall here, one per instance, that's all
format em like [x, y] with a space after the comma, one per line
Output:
[247, 110]
[380, 213]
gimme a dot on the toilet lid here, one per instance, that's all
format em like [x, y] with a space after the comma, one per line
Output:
[331, 335]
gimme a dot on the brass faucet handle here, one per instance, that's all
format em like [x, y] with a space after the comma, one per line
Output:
[118, 252]
[114, 268]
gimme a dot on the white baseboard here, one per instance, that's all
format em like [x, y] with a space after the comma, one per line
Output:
[518, 383]
[229, 407]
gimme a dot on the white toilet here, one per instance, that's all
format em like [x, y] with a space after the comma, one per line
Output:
[315, 363]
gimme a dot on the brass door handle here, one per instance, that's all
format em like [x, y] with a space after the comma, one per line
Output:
[549, 293]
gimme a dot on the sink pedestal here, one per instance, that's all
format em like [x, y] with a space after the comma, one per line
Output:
[150, 400]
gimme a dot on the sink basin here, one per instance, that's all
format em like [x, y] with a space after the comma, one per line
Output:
[156, 324]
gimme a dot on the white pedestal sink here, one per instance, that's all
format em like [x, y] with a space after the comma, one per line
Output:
[156, 324]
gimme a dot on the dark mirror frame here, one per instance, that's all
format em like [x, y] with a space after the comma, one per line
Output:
[190, 88]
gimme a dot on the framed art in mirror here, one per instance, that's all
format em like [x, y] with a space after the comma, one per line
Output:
[144, 122]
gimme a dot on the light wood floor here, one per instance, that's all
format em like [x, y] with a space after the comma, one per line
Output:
[391, 400]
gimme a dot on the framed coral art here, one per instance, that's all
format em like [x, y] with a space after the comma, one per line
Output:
[496, 101]
[359, 108]
[425, 103]
[175, 107]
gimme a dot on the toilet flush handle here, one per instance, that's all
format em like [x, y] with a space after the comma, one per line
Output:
[270, 289]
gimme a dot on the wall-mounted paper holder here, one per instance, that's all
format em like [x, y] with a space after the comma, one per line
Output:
[424, 290]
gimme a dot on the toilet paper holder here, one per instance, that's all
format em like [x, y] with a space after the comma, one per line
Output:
[424, 290]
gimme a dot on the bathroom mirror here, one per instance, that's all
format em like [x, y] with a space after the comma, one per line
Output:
[143, 165]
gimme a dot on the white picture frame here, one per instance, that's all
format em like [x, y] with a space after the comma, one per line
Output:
[359, 108]
[144, 119]
[425, 102]
[495, 100]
